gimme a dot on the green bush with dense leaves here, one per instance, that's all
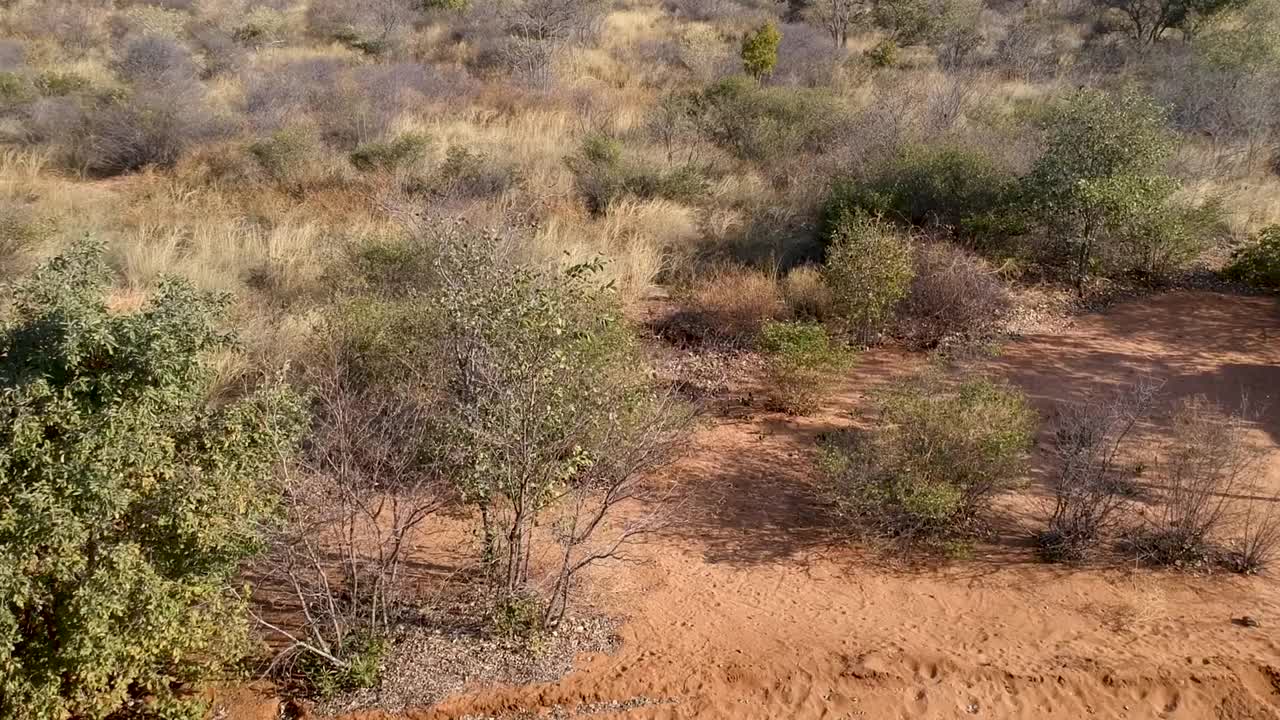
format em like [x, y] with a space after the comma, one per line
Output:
[802, 364]
[390, 154]
[934, 185]
[760, 51]
[868, 271]
[603, 176]
[129, 501]
[1258, 263]
[762, 123]
[1099, 186]
[939, 454]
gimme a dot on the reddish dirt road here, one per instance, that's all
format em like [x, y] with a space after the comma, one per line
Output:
[754, 607]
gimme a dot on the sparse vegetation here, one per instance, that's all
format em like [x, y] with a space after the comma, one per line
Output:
[472, 248]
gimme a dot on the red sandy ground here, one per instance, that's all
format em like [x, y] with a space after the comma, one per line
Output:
[752, 606]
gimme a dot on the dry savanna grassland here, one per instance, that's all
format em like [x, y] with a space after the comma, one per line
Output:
[639, 359]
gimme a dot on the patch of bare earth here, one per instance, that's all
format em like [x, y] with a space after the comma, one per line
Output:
[755, 605]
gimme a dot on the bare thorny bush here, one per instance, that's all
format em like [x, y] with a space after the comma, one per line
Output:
[1203, 492]
[1209, 465]
[1093, 483]
[352, 512]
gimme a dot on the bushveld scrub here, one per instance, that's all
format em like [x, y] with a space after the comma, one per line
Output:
[803, 364]
[130, 502]
[938, 456]
[310, 159]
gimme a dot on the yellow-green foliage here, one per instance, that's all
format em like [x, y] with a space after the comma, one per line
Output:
[868, 271]
[760, 51]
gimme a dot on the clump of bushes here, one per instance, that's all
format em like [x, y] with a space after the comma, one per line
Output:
[603, 176]
[727, 307]
[939, 454]
[806, 293]
[391, 154]
[868, 271]
[946, 186]
[1202, 512]
[1093, 482]
[1258, 263]
[131, 502]
[955, 298]
[802, 363]
[1209, 461]
[764, 124]
[290, 156]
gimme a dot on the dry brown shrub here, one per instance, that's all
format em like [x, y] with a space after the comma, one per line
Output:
[806, 293]
[955, 296]
[728, 307]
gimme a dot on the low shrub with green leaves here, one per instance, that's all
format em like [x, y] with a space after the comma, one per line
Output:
[391, 154]
[766, 123]
[130, 501]
[603, 176]
[1258, 263]
[936, 458]
[868, 271]
[802, 362]
[947, 185]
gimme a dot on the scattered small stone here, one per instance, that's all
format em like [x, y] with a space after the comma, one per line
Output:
[1246, 621]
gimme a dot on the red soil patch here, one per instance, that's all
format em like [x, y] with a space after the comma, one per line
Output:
[753, 607]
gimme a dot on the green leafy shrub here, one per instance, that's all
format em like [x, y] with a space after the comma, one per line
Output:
[868, 270]
[766, 123]
[884, 54]
[60, 84]
[1258, 263]
[760, 51]
[290, 156]
[934, 185]
[518, 619]
[364, 658]
[603, 176]
[390, 155]
[15, 88]
[1098, 184]
[938, 456]
[802, 364]
[130, 502]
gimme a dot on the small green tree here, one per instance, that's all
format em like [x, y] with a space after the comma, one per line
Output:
[869, 271]
[547, 418]
[760, 51]
[1099, 175]
[128, 502]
